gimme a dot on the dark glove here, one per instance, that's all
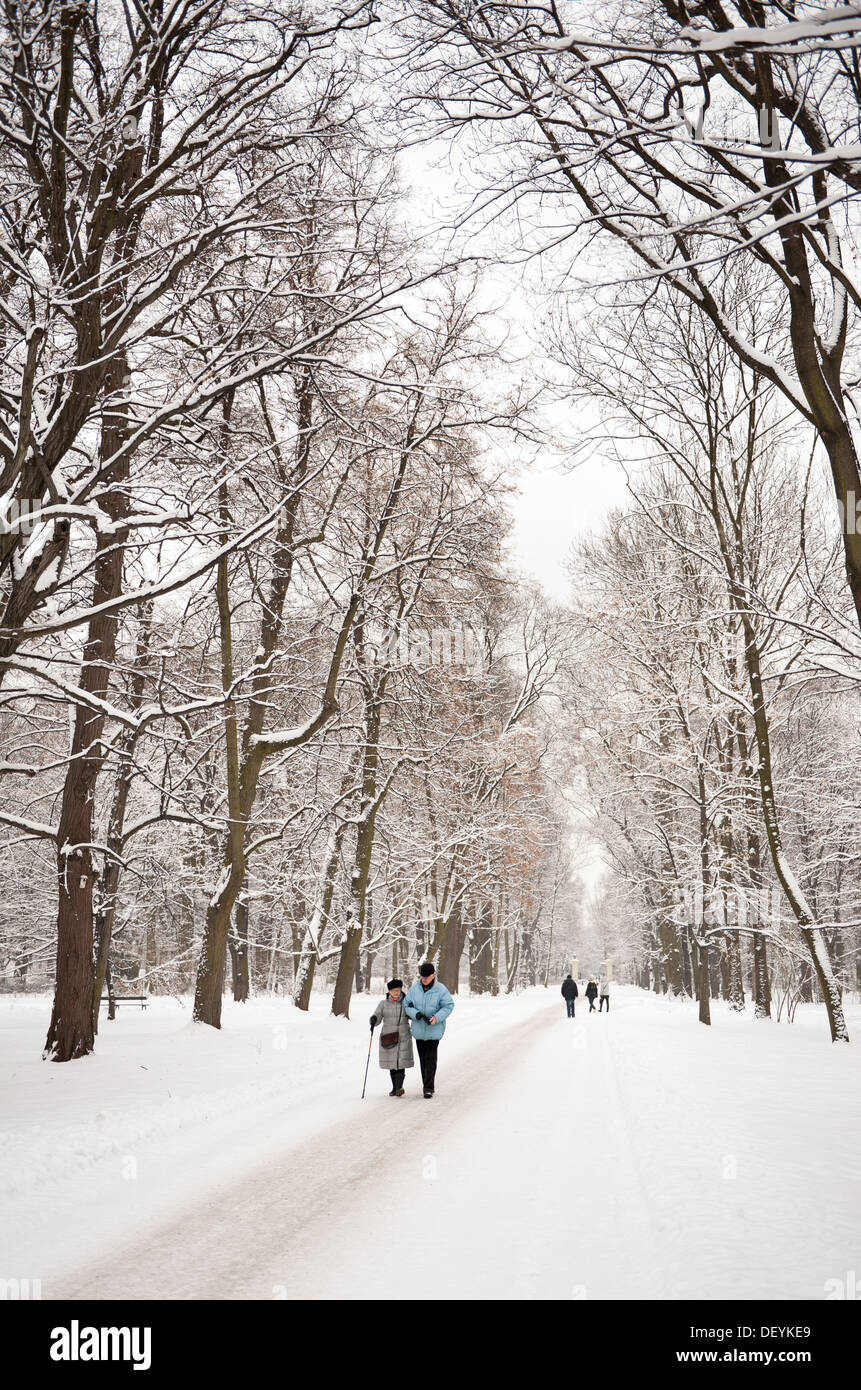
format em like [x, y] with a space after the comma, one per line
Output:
[374, 1021]
[421, 1018]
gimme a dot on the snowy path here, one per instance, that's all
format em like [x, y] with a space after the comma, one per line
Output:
[623, 1156]
[445, 1178]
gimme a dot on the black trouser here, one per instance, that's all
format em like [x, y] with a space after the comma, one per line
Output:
[427, 1048]
[569, 1003]
[397, 1079]
[605, 999]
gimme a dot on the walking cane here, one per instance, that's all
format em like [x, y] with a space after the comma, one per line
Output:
[368, 1063]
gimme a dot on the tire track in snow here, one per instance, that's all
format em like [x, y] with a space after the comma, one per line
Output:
[643, 1213]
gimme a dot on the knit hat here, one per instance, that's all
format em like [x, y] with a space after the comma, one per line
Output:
[427, 969]
[395, 984]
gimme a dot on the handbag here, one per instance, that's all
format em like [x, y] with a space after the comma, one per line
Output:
[391, 1039]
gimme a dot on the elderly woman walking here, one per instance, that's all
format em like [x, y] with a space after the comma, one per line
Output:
[396, 1044]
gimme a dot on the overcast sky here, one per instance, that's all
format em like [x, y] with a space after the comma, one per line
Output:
[556, 504]
[553, 510]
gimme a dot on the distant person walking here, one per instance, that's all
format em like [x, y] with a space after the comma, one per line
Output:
[592, 993]
[396, 1044]
[605, 996]
[569, 994]
[428, 1004]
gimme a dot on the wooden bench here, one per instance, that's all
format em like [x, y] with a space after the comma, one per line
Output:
[126, 999]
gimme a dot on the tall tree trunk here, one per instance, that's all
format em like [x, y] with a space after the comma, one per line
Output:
[71, 1033]
[112, 1003]
[108, 885]
[481, 972]
[671, 957]
[238, 943]
[453, 941]
[761, 983]
[321, 915]
[703, 981]
[360, 876]
[735, 977]
[687, 968]
[703, 953]
[810, 933]
[733, 551]
[210, 975]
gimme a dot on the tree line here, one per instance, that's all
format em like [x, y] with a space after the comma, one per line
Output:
[271, 694]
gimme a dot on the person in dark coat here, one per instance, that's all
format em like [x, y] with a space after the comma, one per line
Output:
[394, 1023]
[569, 994]
[591, 993]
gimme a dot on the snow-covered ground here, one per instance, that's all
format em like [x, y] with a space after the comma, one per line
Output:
[630, 1155]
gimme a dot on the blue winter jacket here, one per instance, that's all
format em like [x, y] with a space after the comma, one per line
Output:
[435, 1002]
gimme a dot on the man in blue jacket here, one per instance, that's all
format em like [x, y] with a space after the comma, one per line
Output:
[428, 1004]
